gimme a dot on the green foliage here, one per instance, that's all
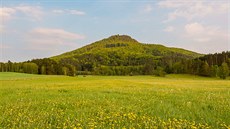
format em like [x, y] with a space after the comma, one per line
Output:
[214, 70]
[223, 70]
[204, 70]
[177, 67]
[43, 69]
[65, 70]
[30, 68]
[72, 70]
[160, 72]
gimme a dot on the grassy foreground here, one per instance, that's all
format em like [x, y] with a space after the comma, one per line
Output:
[176, 101]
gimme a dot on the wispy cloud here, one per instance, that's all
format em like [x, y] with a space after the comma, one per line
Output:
[193, 9]
[56, 33]
[32, 12]
[68, 11]
[49, 38]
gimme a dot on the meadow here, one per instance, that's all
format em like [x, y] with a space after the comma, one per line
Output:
[174, 101]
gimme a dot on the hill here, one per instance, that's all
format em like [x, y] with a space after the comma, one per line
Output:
[120, 53]
[126, 46]
[123, 55]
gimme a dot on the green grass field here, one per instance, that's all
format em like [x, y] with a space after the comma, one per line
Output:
[176, 101]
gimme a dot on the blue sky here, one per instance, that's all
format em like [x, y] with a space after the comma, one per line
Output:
[42, 28]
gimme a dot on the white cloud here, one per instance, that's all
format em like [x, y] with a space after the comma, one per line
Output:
[73, 12]
[201, 33]
[209, 34]
[33, 13]
[169, 29]
[193, 9]
[194, 28]
[203, 38]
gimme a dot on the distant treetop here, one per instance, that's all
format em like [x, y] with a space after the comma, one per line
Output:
[124, 38]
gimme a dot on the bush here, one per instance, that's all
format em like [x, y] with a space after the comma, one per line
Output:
[160, 72]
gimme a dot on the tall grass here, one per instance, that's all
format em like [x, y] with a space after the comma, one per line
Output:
[176, 101]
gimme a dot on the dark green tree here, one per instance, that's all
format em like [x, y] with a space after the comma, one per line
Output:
[214, 71]
[177, 67]
[31, 68]
[204, 69]
[223, 70]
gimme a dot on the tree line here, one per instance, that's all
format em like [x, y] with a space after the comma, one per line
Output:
[211, 65]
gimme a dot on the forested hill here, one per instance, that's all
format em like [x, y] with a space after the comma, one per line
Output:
[123, 55]
[123, 47]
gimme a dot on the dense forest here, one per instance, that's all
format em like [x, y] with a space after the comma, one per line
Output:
[122, 55]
